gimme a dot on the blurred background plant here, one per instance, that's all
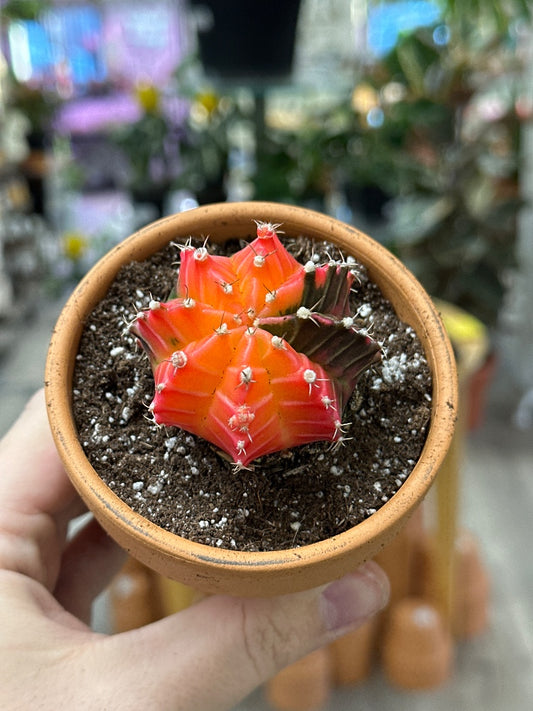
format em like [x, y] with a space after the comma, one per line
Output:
[454, 218]
[35, 103]
[423, 151]
[449, 127]
[149, 145]
[39, 107]
[419, 145]
[205, 143]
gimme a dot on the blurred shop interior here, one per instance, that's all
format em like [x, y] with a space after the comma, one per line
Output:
[410, 119]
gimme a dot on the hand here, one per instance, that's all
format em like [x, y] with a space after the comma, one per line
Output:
[205, 658]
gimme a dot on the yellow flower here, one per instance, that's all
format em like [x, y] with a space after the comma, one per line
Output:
[208, 100]
[364, 98]
[74, 245]
[148, 97]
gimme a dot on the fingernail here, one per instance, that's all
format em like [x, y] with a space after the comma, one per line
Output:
[355, 598]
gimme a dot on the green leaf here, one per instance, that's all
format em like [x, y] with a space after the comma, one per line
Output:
[414, 217]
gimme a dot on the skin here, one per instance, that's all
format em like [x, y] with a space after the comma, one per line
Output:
[205, 658]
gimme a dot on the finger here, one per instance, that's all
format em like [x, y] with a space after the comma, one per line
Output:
[215, 653]
[37, 497]
[89, 562]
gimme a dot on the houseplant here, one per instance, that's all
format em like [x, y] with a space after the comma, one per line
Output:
[149, 145]
[230, 571]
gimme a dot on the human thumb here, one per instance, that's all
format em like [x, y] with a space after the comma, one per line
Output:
[213, 654]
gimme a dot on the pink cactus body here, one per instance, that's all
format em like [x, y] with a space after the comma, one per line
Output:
[257, 353]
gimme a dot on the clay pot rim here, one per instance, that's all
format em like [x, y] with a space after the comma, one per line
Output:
[120, 520]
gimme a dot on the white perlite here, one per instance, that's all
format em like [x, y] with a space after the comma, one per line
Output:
[393, 369]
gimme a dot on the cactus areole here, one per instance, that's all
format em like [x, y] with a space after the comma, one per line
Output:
[257, 352]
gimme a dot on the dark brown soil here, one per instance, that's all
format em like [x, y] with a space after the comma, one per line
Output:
[289, 499]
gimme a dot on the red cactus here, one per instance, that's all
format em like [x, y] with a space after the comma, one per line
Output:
[257, 353]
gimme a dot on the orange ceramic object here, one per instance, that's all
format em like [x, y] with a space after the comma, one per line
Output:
[302, 686]
[133, 597]
[353, 654]
[215, 570]
[417, 648]
[471, 596]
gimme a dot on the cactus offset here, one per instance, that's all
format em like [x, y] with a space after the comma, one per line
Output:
[257, 353]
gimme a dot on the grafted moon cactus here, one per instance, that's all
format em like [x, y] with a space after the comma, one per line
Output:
[257, 353]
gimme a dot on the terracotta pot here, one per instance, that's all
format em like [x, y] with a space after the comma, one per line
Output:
[228, 571]
[470, 590]
[397, 558]
[353, 654]
[418, 648]
[478, 390]
[302, 686]
[471, 598]
[133, 597]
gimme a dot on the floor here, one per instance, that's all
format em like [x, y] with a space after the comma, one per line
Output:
[493, 672]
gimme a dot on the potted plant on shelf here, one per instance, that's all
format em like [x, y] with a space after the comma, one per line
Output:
[247, 316]
[149, 145]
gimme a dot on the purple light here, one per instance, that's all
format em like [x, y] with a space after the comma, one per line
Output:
[93, 114]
